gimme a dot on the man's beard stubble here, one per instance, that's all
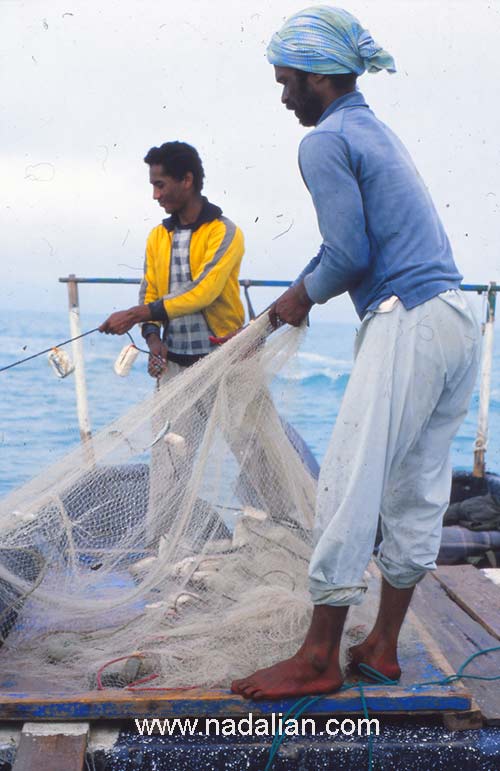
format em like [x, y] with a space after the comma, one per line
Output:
[309, 107]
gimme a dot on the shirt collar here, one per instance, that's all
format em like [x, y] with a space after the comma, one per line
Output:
[209, 213]
[352, 99]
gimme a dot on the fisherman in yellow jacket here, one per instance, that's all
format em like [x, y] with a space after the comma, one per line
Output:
[189, 293]
[190, 285]
[191, 289]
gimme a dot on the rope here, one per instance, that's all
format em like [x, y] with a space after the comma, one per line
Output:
[47, 350]
[148, 353]
[60, 345]
[91, 331]
[135, 686]
[100, 686]
[297, 709]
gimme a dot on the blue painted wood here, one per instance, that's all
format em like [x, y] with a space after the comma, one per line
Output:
[120, 704]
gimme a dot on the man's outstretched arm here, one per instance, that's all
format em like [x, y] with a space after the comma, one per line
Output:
[121, 321]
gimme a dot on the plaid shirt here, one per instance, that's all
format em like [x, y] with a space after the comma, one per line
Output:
[187, 335]
[458, 544]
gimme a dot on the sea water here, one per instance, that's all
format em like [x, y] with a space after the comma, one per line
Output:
[38, 419]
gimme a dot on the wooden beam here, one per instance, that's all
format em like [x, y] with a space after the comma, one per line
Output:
[114, 704]
[463, 721]
[52, 747]
[459, 636]
[452, 721]
[475, 593]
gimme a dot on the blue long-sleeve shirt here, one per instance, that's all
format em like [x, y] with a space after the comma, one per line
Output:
[381, 233]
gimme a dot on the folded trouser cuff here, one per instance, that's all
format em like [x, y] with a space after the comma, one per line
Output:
[337, 596]
[401, 579]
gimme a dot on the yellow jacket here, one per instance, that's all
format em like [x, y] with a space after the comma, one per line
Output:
[215, 254]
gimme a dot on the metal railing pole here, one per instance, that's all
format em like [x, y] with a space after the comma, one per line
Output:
[82, 406]
[481, 442]
[480, 445]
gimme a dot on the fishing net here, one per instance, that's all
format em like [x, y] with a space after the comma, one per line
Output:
[177, 539]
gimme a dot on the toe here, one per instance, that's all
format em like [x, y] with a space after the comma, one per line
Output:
[237, 686]
[258, 695]
[249, 691]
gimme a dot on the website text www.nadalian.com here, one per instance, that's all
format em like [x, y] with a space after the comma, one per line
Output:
[272, 725]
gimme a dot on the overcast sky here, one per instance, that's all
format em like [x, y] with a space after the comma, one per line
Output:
[87, 87]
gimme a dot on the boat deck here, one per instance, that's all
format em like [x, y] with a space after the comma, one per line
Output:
[455, 613]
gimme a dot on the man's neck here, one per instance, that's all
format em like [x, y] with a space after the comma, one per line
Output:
[333, 95]
[330, 99]
[191, 211]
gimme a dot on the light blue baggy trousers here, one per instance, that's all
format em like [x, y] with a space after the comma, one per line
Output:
[389, 454]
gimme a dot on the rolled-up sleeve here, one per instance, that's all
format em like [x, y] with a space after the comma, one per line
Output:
[345, 253]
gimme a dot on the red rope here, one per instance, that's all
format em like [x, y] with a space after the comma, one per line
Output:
[100, 686]
[142, 680]
[133, 686]
[182, 688]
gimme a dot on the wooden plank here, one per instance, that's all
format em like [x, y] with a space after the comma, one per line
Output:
[52, 747]
[459, 636]
[432, 648]
[115, 704]
[452, 721]
[475, 593]
[463, 721]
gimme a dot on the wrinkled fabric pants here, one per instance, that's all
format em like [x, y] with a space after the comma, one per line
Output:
[389, 454]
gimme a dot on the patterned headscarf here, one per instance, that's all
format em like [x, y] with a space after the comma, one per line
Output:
[329, 41]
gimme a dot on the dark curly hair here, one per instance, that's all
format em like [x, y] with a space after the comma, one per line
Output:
[176, 159]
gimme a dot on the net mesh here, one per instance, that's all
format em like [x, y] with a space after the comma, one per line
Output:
[177, 538]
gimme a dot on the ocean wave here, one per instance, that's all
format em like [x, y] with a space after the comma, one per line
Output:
[314, 369]
[314, 378]
[328, 361]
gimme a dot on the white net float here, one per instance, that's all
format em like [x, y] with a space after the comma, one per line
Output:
[125, 360]
[177, 443]
[60, 362]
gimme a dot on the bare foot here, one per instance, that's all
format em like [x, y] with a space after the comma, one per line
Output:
[304, 674]
[376, 653]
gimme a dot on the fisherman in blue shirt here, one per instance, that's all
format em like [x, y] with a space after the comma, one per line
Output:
[416, 352]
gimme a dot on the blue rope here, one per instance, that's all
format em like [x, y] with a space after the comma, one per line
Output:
[297, 709]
